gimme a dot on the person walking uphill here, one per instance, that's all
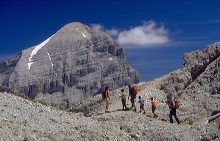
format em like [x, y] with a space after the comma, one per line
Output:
[141, 101]
[122, 95]
[105, 96]
[132, 94]
[171, 105]
[153, 105]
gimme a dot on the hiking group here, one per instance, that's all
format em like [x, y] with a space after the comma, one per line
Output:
[173, 105]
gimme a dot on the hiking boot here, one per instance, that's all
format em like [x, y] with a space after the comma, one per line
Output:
[144, 112]
[155, 116]
[135, 109]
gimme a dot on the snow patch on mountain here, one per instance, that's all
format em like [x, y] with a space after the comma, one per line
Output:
[38, 47]
[50, 58]
[84, 35]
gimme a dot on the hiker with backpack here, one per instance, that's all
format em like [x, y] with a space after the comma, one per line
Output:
[153, 107]
[141, 101]
[122, 95]
[173, 106]
[105, 96]
[132, 96]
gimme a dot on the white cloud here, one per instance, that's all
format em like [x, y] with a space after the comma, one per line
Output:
[146, 35]
[112, 32]
[98, 27]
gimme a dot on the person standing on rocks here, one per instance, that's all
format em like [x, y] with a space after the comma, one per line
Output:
[153, 107]
[141, 101]
[105, 96]
[171, 105]
[132, 94]
[122, 95]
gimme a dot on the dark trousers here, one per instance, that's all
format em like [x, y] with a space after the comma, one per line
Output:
[153, 109]
[173, 113]
[142, 107]
[123, 101]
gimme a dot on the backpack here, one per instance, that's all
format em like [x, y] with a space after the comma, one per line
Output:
[177, 106]
[104, 96]
[134, 90]
[141, 101]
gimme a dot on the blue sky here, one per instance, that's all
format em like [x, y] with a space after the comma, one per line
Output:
[155, 34]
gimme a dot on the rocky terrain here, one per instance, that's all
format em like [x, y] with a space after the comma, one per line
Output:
[24, 119]
[71, 66]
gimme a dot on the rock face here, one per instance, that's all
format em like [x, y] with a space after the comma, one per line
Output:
[199, 73]
[72, 65]
[197, 82]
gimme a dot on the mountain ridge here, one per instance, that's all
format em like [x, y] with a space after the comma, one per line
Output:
[72, 65]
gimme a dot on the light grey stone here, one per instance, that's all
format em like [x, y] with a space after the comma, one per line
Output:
[73, 65]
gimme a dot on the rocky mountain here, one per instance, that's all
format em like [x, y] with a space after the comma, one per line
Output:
[199, 73]
[69, 67]
[198, 78]
[199, 112]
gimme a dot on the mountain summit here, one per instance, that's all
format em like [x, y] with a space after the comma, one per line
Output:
[71, 66]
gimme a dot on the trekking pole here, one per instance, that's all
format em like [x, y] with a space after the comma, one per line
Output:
[127, 101]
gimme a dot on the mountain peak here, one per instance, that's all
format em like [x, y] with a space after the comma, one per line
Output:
[71, 66]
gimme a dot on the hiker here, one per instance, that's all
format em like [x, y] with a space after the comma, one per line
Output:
[105, 96]
[122, 95]
[171, 105]
[153, 105]
[141, 101]
[133, 97]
